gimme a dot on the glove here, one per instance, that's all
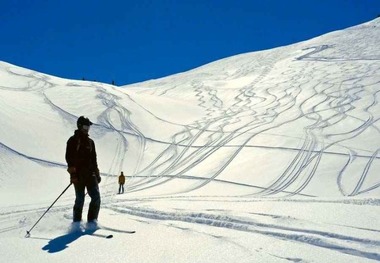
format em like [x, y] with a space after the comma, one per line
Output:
[71, 170]
[74, 179]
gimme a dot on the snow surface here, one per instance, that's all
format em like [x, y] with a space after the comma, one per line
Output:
[270, 156]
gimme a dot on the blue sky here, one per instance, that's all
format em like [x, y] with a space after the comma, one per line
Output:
[132, 41]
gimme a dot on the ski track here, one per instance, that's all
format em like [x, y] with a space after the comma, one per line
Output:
[262, 105]
[339, 242]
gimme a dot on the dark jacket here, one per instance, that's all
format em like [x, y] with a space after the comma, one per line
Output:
[121, 179]
[81, 154]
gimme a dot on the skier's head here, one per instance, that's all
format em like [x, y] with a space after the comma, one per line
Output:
[83, 124]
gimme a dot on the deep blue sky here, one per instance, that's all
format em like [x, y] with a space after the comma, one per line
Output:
[130, 41]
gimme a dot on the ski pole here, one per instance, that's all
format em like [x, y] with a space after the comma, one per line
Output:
[28, 232]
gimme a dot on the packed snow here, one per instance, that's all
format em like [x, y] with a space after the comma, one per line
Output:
[269, 156]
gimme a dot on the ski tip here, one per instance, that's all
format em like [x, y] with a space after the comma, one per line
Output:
[109, 236]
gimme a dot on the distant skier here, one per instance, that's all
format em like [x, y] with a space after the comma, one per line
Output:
[83, 169]
[121, 183]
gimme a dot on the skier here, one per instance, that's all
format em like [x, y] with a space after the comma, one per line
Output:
[84, 173]
[121, 183]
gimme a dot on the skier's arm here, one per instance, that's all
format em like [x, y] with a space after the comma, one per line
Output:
[94, 157]
[70, 155]
[95, 162]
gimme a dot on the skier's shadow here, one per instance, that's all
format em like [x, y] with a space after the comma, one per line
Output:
[60, 243]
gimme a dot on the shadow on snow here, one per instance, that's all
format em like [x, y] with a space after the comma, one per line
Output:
[62, 242]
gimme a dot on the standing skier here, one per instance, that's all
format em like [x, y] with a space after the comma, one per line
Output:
[83, 170]
[121, 183]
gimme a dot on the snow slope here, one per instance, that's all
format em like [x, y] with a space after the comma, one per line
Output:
[270, 156]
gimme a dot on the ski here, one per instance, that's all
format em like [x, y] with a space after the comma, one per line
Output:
[118, 230]
[92, 232]
[100, 235]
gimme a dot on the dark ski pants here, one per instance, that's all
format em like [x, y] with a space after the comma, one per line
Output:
[93, 211]
[121, 189]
